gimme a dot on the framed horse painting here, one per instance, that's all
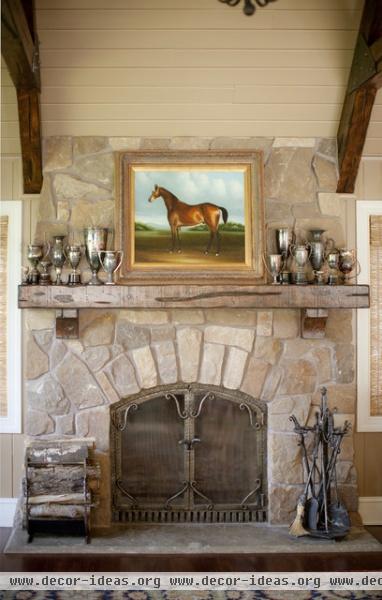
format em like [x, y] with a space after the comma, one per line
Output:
[190, 216]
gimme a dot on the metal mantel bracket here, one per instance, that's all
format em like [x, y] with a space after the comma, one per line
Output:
[313, 323]
[67, 324]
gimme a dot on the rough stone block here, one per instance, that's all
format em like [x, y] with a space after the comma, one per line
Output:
[65, 424]
[166, 361]
[282, 503]
[96, 357]
[339, 326]
[145, 366]
[345, 363]
[48, 396]
[130, 336]
[125, 143]
[189, 143]
[57, 152]
[271, 384]
[46, 207]
[324, 364]
[162, 334]
[108, 390]
[230, 336]
[100, 331]
[155, 143]
[264, 323]
[97, 167]
[340, 397]
[67, 187]
[89, 145]
[299, 377]
[288, 175]
[268, 349]
[241, 317]
[254, 377]
[328, 147]
[187, 316]
[291, 142]
[284, 455]
[146, 317]
[286, 323]
[38, 423]
[278, 213]
[326, 173]
[94, 423]
[88, 214]
[37, 362]
[189, 342]
[212, 362]
[57, 353]
[122, 376]
[63, 210]
[79, 385]
[37, 319]
[234, 368]
[283, 407]
[44, 339]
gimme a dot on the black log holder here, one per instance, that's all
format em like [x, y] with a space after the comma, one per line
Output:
[319, 510]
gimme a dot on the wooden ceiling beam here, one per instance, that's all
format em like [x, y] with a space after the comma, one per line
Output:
[364, 80]
[19, 49]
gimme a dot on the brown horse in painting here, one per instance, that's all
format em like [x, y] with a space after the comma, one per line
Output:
[180, 214]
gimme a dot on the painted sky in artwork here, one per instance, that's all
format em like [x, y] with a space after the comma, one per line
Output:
[224, 188]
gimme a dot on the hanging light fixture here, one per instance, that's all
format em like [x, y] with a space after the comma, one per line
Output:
[249, 5]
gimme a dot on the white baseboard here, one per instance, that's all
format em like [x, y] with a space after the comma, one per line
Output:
[370, 509]
[7, 511]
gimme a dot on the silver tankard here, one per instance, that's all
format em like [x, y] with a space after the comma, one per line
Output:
[111, 262]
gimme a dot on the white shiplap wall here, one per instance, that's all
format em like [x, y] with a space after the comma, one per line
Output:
[196, 67]
[10, 138]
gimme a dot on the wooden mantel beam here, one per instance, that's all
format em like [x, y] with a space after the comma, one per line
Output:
[364, 80]
[19, 49]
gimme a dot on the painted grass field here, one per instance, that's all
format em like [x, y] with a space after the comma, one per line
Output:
[153, 247]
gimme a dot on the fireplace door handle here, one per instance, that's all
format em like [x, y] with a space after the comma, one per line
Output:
[189, 443]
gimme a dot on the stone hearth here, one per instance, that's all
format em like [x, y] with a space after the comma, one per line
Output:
[71, 384]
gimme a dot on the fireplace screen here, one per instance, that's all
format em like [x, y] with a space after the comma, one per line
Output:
[195, 453]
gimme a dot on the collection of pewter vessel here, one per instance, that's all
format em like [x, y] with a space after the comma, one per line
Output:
[42, 257]
[317, 260]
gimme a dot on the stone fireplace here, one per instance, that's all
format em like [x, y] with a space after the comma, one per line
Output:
[250, 357]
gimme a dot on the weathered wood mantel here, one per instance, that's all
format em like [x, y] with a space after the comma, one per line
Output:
[315, 300]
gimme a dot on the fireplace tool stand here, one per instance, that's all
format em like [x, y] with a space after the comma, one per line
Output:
[319, 510]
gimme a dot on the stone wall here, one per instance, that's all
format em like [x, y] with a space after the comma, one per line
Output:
[71, 383]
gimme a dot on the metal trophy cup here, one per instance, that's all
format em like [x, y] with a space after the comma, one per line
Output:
[318, 251]
[284, 239]
[35, 253]
[73, 254]
[111, 262]
[58, 256]
[347, 262]
[333, 260]
[274, 264]
[95, 242]
[301, 255]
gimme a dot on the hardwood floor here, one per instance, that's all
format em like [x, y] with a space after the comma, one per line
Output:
[260, 562]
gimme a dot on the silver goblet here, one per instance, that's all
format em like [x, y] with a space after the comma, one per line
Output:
[73, 254]
[58, 256]
[301, 255]
[274, 264]
[111, 262]
[35, 252]
[95, 241]
[333, 260]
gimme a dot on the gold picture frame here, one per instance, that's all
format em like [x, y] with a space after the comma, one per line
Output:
[190, 216]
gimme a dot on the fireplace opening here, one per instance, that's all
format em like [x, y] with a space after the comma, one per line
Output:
[192, 453]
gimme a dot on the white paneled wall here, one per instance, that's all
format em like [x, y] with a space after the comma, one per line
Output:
[196, 67]
[10, 139]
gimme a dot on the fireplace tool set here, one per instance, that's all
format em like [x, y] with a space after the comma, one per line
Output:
[57, 254]
[319, 510]
[294, 259]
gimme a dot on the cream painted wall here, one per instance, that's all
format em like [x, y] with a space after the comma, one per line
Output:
[196, 67]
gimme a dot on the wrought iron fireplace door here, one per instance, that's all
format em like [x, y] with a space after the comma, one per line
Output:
[189, 453]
